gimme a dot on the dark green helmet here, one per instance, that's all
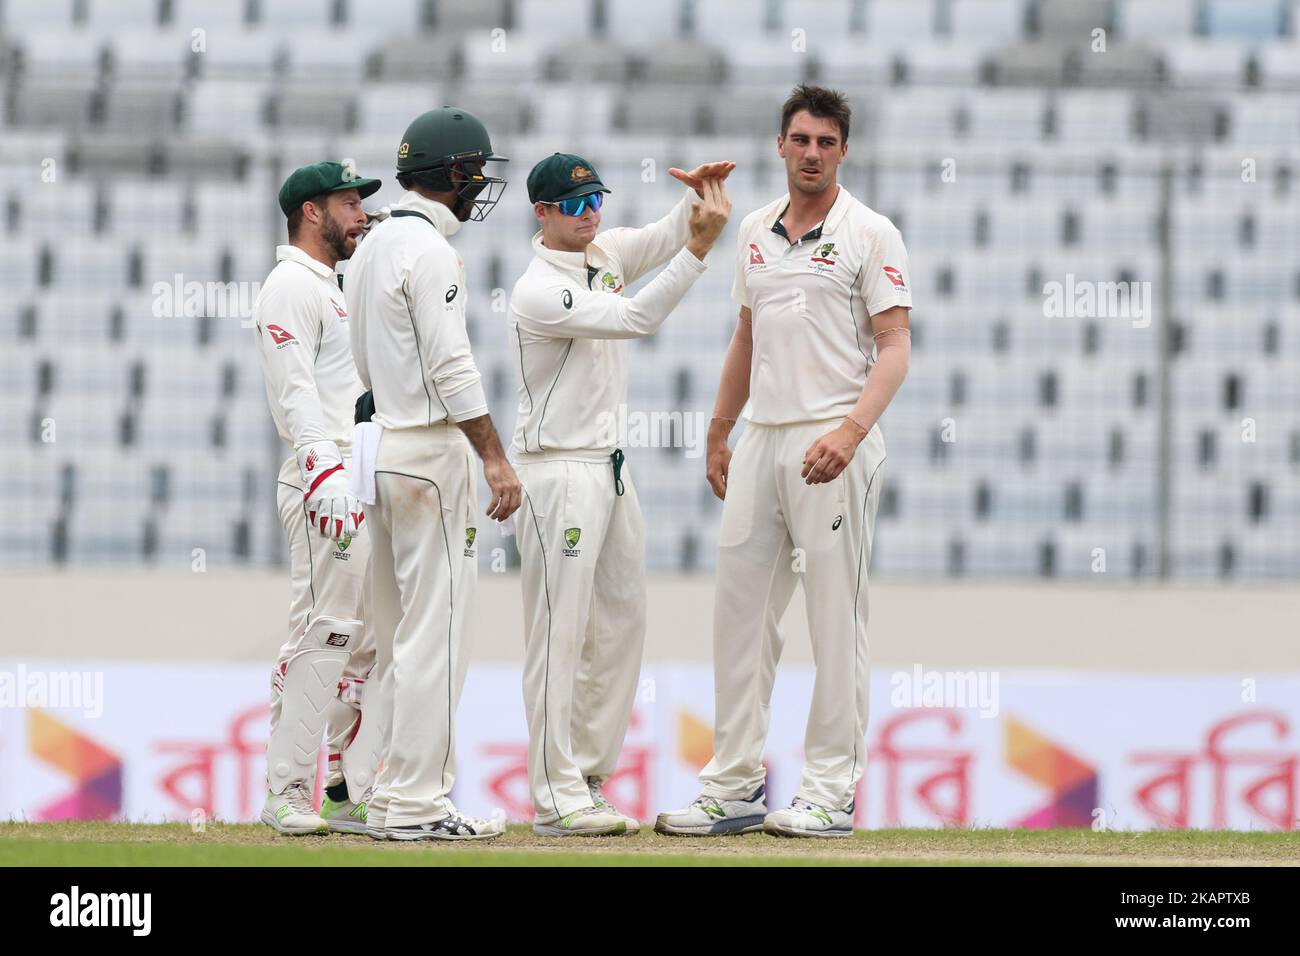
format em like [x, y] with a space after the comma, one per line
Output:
[444, 150]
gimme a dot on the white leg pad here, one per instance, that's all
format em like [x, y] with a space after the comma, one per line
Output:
[311, 680]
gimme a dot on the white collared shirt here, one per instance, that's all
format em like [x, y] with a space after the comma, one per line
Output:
[812, 302]
[407, 287]
[568, 321]
[302, 345]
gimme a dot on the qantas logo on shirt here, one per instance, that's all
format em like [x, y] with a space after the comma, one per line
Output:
[894, 276]
[338, 309]
[755, 255]
[279, 336]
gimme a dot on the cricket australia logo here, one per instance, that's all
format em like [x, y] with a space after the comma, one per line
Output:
[571, 538]
[343, 543]
[823, 262]
[470, 535]
[610, 283]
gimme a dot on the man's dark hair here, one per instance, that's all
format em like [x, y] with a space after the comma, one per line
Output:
[820, 102]
[295, 217]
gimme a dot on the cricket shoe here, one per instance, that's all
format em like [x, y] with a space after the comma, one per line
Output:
[375, 824]
[291, 812]
[454, 826]
[344, 816]
[804, 819]
[600, 803]
[711, 816]
[589, 822]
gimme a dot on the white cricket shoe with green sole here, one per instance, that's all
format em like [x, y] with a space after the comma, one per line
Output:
[344, 816]
[600, 803]
[715, 816]
[804, 819]
[589, 821]
[291, 812]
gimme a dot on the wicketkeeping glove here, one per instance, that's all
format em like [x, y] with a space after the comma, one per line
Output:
[331, 509]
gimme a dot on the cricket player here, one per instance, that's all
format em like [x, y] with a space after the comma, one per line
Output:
[580, 533]
[407, 286]
[311, 385]
[821, 281]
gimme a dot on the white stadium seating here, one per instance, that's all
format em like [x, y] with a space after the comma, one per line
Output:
[1009, 155]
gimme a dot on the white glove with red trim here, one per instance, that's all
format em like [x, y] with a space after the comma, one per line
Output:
[331, 509]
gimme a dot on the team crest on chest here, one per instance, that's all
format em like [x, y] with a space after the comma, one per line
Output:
[610, 283]
[823, 259]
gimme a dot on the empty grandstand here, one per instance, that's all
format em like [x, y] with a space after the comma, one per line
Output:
[1098, 196]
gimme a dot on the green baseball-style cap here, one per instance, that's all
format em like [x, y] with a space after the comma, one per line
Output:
[563, 176]
[307, 182]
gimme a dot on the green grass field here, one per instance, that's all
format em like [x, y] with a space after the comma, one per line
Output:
[130, 844]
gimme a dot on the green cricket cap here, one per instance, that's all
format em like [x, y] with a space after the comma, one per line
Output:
[563, 176]
[308, 182]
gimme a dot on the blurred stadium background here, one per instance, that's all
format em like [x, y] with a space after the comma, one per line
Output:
[1009, 153]
[1016, 143]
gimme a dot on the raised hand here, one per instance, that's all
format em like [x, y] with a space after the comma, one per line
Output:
[695, 178]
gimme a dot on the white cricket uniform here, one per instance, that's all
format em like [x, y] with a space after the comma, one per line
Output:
[311, 388]
[811, 302]
[407, 288]
[581, 537]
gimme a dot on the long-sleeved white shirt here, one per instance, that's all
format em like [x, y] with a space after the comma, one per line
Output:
[407, 288]
[567, 320]
[302, 345]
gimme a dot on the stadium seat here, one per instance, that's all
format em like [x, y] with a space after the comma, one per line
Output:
[192, 14]
[1279, 64]
[554, 20]
[437, 58]
[223, 106]
[1244, 19]
[986, 22]
[160, 57]
[1007, 116]
[332, 56]
[294, 15]
[153, 108]
[1071, 21]
[231, 53]
[1204, 64]
[509, 60]
[943, 64]
[109, 16]
[1147, 20]
[66, 105]
[318, 107]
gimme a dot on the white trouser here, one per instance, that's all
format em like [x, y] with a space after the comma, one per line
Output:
[324, 581]
[582, 556]
[776, 531]
[423, 575]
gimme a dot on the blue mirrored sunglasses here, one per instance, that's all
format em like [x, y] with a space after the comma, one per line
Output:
[578, 205]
